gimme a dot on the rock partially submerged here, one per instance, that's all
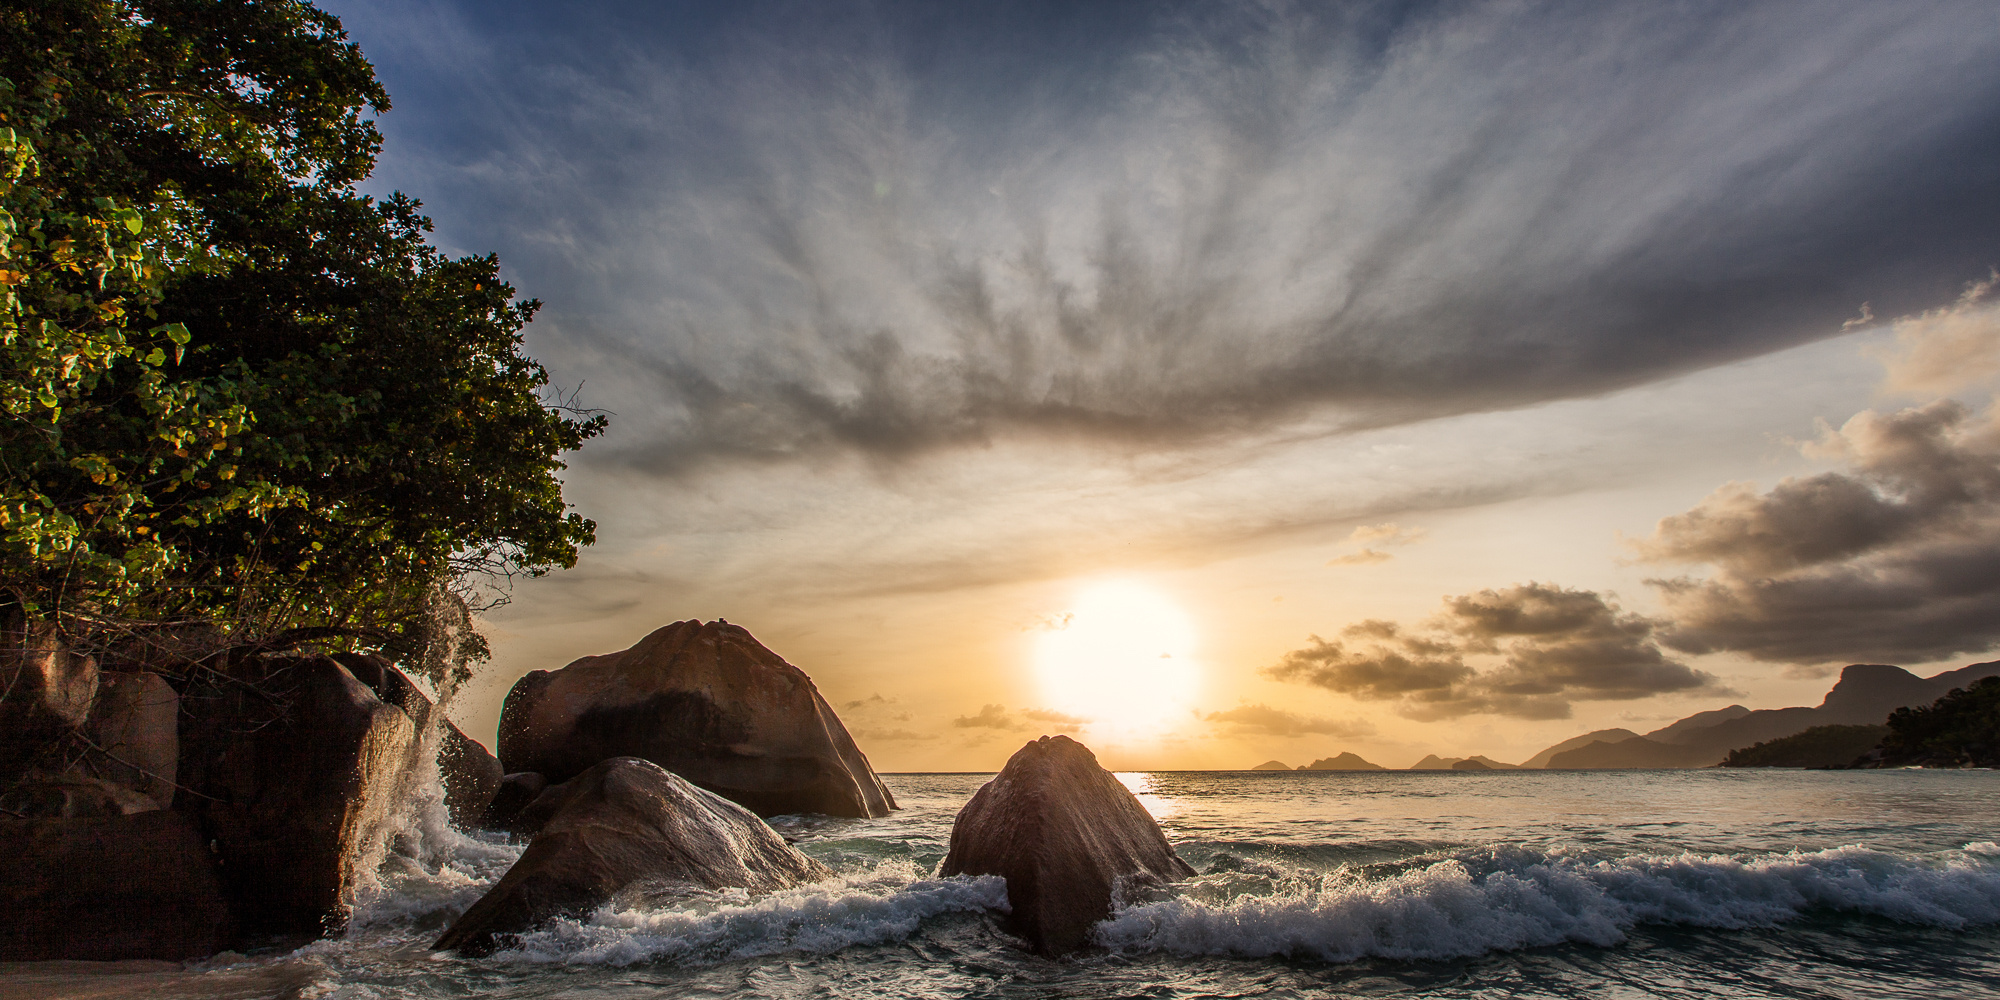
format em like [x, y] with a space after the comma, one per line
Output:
[1066, 835]
[626, 827]
[517, 790]
[705, 701]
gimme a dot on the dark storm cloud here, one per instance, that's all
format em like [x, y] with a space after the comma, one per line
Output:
[774, 231]
[1557, 646]
[1895, 559]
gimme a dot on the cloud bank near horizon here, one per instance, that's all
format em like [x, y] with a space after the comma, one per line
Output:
[1893, 557]
[783, 232]
[1556, 646]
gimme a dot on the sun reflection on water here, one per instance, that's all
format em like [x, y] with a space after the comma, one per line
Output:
[1146, 790]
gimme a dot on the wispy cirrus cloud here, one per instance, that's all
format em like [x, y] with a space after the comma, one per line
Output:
[775, 233]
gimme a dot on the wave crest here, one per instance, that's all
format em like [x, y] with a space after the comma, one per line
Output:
[1518, 898]
[878, 906]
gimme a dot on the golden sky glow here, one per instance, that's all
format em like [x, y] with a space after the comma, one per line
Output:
[1454, 384]
[1121, 656]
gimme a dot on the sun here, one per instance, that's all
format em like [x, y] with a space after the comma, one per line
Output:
[1122, 658]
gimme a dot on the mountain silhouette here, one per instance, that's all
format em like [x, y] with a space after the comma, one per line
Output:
[1864, 696]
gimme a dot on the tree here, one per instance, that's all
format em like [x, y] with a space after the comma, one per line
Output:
[1961, 729]
[234, 391]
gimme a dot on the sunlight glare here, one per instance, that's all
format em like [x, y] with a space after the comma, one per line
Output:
[1123, 659]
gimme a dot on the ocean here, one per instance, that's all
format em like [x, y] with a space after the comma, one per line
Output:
[1613, 884]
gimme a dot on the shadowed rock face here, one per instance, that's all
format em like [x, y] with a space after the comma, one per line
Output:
[1066, 835]
[46, 690]
[627, 827]
[705, 701]
[291, 769]
[517, 791]
[135, 724]
[107, 888]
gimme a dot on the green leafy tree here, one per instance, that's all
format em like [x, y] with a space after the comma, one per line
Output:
[234, 391]
[1961, 729]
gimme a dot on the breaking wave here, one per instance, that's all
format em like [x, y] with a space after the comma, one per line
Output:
[1509, 898]
[878, 906]
[1475, 902]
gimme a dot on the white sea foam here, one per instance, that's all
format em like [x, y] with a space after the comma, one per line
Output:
[1516, 898]
[881, 905]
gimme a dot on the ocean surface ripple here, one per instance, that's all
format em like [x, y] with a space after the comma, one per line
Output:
[1528, 884]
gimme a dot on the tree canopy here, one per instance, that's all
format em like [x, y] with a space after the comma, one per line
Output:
[236, 391]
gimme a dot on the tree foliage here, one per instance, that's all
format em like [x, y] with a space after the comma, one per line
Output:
[1961, 729]
[232, 389]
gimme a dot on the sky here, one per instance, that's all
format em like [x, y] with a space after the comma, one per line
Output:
[1220, 382]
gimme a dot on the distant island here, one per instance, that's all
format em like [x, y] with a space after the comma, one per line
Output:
[1343, 762]
[1949, 720]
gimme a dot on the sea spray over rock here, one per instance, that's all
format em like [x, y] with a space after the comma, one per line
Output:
[1515, 897]
[419, 862]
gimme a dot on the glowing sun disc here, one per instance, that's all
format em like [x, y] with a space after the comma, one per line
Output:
[1124, 659]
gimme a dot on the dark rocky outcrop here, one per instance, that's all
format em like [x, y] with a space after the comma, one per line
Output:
[1470, 764]
[1344, 761]
[46, 690]
[705, 701]
[1068, 838]
[470, 775]
[71, 796]
[134, 731]
[517, 790]
[290, 765]
[108, 888]
[627, 827]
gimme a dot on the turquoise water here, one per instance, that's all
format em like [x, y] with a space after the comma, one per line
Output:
[1433, 884]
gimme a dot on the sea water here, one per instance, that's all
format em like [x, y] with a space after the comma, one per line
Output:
[1708, 883]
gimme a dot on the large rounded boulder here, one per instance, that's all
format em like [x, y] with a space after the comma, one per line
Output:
[705, 701]
[627, 828]
[470, 775]
[291, 767]
[1068, 837]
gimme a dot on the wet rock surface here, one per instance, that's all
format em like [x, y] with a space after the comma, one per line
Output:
[470, 775]
[705, 701]
[627, 827]
[1067, 836]
[290, 769]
